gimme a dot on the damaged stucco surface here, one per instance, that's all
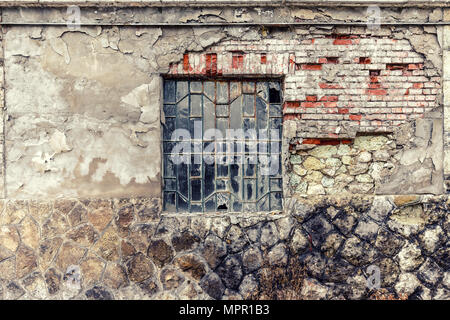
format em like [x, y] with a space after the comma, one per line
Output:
[419, 164]
[83, 117]
[101, 84]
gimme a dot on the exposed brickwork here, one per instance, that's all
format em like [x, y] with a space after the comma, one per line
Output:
[335, 85]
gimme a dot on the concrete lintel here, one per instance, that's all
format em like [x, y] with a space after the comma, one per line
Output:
[217, 3]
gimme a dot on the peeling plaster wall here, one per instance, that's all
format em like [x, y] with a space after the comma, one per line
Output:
[2, 121]
[83, 117]
[82, 122]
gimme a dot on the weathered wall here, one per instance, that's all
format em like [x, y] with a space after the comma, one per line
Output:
[336, 82]
[73, 128]
[320, 249]
[59, 145]
[82, 156]
[409, 161]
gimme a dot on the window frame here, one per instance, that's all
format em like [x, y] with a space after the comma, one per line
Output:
[281, 151]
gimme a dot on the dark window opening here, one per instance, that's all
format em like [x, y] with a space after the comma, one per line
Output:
[222, 207]
[274, 95]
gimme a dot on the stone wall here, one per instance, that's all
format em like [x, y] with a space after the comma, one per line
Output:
[333, 169]
[127, 249]
[364, 142]
[408, 161]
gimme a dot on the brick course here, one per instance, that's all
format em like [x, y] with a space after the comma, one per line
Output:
[334, 85]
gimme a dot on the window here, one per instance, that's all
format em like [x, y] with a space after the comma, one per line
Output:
[222, 146]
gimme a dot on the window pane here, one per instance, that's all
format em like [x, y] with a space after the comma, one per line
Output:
[213, 174]
[169, 91]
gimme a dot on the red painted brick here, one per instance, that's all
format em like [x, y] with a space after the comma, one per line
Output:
[310, 104]
[208, 64]
[332, 60]
[311, 98]
[291, 104]
[415, 66]
[323, 85]
[343, 111]
[238, 61]
[418, 85]
[355, 117]
[291, 117]
[263, 58]
[329, 98]
[374, 85]
[211, 64]
[311, 141]
[376, 92]
[186, 62]
[312, 66]
[330, 142]
[330, 104]
[342, 42]
[395, 66]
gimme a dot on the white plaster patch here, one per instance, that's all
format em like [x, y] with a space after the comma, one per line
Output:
[146, 97]
[58, 142]
[60, 47]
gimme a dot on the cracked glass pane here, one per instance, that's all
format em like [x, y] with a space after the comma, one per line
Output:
[169, 91]
[169, 128]
[182, 90]
[248, 105]
[169, 201]
[196, 105]
[196, 189]
[222, 92]
[170, 110]
[210, 173]
[196, 87]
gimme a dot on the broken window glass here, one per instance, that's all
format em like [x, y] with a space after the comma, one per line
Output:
[222, 171]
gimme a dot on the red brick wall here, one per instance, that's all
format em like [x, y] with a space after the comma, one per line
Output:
[336, 85]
